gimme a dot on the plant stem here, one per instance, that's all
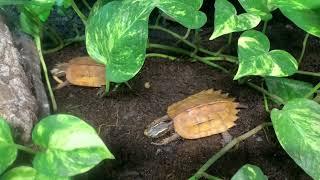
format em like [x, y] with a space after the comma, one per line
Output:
[45, 71]
[197, 41]
[21, 2]
[184, 37]
[169, 48]
[266, 104]
[25, 149]
[217, 58]
[54, 36]
[175, 35]
[304, 45]
[172, 58]
[213, 65]
[187, 53]
[210, 177]
[229, 146]
[265, 25]
[79, 13]
[314, 90]
[308, 73]
[262, 90]
[227, 45]
[67, 42]
[86, 4]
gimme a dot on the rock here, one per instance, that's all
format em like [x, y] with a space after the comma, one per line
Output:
[22, 95]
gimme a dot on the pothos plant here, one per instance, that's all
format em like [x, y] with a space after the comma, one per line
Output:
[64, 146]
[117, 36]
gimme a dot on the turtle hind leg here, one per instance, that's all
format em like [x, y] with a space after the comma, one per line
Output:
[101, 92]
[226, 138]
[167, 140]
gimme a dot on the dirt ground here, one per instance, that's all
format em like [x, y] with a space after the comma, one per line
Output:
[121, 118]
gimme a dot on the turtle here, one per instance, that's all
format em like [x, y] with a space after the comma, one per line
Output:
[83, 71]
[203, 114]
[80, 71]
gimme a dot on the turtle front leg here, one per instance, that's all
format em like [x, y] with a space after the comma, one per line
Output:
[167, 140]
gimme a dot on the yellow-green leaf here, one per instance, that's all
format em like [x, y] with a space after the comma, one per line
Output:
[249, 172]
[261, 8]
[227, 21]
[256, 59]
[304, 13]
[28, 173]
[70, 146]
[8, 151]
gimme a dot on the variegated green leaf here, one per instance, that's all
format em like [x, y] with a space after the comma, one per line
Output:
[8, 151]
[287, 89]
[185, 12]
[117, 33]
[255, 58]
[28, 173]
[99, 4]
[261, 8]
[117, 37]
[304, 13]
[249, 172]
[297, 128]
[70, 146]
[227, 21]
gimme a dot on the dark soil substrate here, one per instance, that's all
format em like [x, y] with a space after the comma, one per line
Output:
[121, 119]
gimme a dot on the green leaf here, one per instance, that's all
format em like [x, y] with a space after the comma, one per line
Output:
[63, 3]
[20, 173]
[27, 173]
[297, 128]
[261, 8]
[227, 21]
[29, 24]
[304, 13]
[11, 2]
[117, 34]
[70, 146]
[255, 58]
[8, 151]
[288, 89]
[249, 172]
[42, 10]
[32, 16]
[184, 12]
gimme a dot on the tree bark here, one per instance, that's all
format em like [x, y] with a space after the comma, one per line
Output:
[22, 95]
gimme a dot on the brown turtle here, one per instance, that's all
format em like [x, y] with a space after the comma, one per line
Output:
[80, 71]
[203, 114]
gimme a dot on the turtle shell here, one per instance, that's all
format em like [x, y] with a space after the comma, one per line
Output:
[203, 114]
[84, 71]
